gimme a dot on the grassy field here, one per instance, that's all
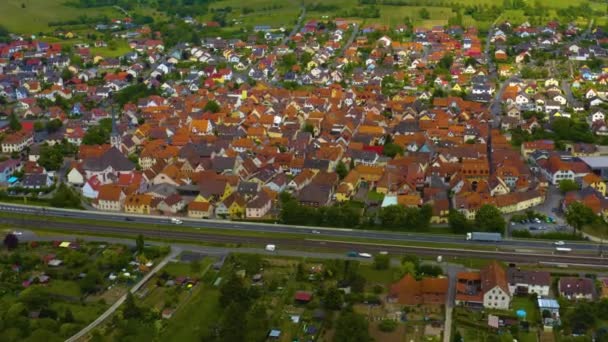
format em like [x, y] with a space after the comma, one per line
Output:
[439, 12]
[194, 318]
[597, 230]
[275, 13]
[37, 14]
[121, 48]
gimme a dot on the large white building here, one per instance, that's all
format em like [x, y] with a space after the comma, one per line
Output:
[17, 142]
[528, 282]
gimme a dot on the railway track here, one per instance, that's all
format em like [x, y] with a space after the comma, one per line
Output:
[296, 243]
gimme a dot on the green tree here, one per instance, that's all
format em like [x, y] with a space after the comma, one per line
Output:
[65, 197]
[13, 123]
[130, 310]
[341, 169]
[68, 317]
[91, 281]
[51, 157]
[489, 219]
[300, 273]
[387, 325]
[53, 126]
[232, 320]
[11, 241]
[38, 126]
[309, 128]
[458, 223]
[233, 291]
[258, 324]
[407, 267]
[289, 60]
[581, 319]
[446, 61]
[42, 335]
[351, 327]
[133, 93]
[96, 135]
[333, 299]
[195, 267]
[567, 185]
[212, 106]
[139, 242]
[579, 215]
[305, 58]
[392, 149]
[382, 261]
[424, 13]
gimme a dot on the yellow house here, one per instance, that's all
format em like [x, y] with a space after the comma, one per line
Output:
[97, 59]
[138, 204]
[594, 181]
[311, 65]
[200, 209]
[425, 117]
[236, 209]
[348, 186]
[343, 193]
[441, 211]
[369, 173]
[234, 206]
[214, 189]
[518, 201]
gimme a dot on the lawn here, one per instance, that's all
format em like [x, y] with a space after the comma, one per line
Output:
[37, 14]
[375, 196]
[82, 313]
[597, 230]
[275, 13]
[395, 15]
[529, 306]
[375, 276]
[176, 269]
[122, 47]
[64, 288]
[193, 319]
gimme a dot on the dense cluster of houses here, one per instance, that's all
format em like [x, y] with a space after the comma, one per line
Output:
[169, 154]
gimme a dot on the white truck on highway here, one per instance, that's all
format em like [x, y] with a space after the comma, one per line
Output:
[482, 236]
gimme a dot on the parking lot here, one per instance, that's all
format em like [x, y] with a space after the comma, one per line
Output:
[539, 228]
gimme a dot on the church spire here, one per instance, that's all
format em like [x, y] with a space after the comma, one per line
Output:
[114, 135]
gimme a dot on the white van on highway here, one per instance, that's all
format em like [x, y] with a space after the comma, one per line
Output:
[176, 221]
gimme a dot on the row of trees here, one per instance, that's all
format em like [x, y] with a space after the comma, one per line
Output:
[349, 215]
[487, 219]
[405, 218]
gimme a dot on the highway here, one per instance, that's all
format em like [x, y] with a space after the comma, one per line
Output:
[313, 232]
[316, 242]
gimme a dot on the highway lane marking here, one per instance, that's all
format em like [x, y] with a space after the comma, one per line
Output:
[452, 249]
[58, 212]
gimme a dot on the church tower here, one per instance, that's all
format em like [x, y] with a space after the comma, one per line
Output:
[115, 140]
